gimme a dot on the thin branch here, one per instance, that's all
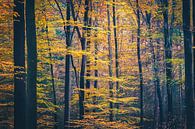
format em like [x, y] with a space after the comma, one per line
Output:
[60, 10]
[135, 10]
[132, 7]
[75, 19]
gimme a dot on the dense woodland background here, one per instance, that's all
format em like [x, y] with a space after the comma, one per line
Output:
[97, 64]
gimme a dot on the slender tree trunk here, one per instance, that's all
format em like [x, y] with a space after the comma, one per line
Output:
[168, 57]
[82, 83]
[52, 77]
[96, 51]
[140, 66]
[116, 49]
[53, 90]
[189, 97]
[160, 100]
[194, 41]
[67, 71]
[88, 74]
[32, 65]
[96, 70]
[83, 63]
[180, 93]
[96, 58]
[19, 66]
[110, 63]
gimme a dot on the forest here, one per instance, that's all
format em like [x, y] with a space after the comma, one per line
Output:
[97, 64]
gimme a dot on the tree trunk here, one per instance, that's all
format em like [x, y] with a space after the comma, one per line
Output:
[110, 63]
[19, 66]
[116, 49]
[53, 91]
[140, 66]
[83, 63]
[67, 71]
[96, 51]
[32, 65]
[160, 100]
[96, 71]
[96, 58]
[188, 65]
[88, 74]
[168, 57]
[52, 80]
[180, 93]
[193, 6]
